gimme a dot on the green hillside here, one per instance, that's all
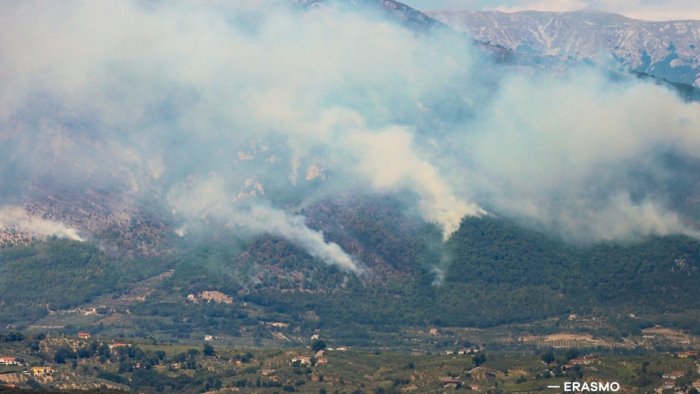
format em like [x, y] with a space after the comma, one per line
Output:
[57, 274]
[500, 273]
[494, 272]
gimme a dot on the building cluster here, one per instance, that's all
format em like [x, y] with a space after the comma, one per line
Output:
[39, 372]
[318, 359]
[670, 379]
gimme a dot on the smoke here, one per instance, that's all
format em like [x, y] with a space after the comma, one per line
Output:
[265, 219]
[207, 201]
[585, 157]
[243, 113]
[18, 219]
[389, 160]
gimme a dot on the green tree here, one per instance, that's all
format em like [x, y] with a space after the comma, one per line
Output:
[63, 354]
[317, 345]
[548, 357]
[479, 359]
[84, 352]
[572, 354]
[208, 350]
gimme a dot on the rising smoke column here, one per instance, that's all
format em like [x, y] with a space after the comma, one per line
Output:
[16, 218]
[389, 159]
[208, 201]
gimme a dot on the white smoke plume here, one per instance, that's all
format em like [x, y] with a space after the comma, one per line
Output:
[16, 218]
[566, 152]
[207, 200]
[264, 219]
[389, 160]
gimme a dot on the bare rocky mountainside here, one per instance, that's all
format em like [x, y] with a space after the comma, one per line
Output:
[669, 50]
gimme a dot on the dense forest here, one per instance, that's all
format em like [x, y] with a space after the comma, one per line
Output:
[58, 274]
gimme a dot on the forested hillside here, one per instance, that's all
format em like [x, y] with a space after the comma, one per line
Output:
[58, 274]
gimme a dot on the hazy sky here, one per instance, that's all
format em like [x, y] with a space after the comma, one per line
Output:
[642, 9]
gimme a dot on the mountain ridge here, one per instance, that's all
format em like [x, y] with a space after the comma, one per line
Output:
[667, 50]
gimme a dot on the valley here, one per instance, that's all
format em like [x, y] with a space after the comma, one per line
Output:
[93, 364]
[346, 196]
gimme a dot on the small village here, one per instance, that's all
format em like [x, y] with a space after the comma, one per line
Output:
[84, 361]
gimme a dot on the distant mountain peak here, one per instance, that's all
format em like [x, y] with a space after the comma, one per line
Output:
[668, 50]
[402, 13]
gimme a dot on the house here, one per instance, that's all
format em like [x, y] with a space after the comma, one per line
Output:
[216, 296]
[696, 384]
[322, 361]
[474, 387]
[315, 337]
[8, 361]
[279, 324]
[450, 382]
[434, 332]
[84, 335]
[302, 360]
[210, 296]
[118, 345]
[41, 371]
[208, 338]
[341, 349]
[320, 353]
[89, 312]
[572, 364]
[674, 375]
[669, 385]
[271, 374]
[580, 361]
[687, 354]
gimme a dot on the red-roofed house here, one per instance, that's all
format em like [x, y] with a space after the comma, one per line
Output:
[674, 375]
[8, 361]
